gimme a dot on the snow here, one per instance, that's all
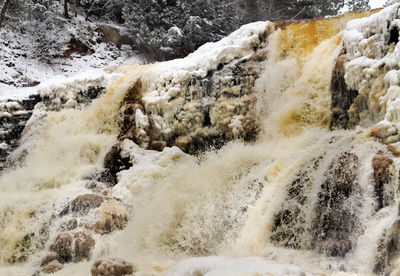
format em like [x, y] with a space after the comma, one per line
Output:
[224, 266]
[239, 44]
[22, 64]
[373, 69]
[61, 86]
[375, 4]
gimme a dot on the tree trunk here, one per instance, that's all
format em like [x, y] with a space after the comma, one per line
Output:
[3, 11]
[66, 9]
[77, 4]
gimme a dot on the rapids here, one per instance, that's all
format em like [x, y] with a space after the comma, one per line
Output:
[304, 181]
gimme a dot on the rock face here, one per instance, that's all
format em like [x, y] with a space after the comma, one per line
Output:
[388, 250]
[111, 267]
[382, 176]
[333, 225]
[342, 96]
[15, 114]
[112, 34]
[200, 111]
[13, 117]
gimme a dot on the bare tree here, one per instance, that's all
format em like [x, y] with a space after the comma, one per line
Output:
[66, 9]
[3, 11]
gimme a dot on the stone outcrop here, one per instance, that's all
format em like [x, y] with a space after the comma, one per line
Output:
[333, 224]
[342, 96]
[201, 112]
[113, 35]
[111, 267]
[14, 114]
[83, 217]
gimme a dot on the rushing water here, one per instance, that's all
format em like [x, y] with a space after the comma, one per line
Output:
[301, 194]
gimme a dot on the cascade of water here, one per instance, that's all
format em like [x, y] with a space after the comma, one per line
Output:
[302, 193]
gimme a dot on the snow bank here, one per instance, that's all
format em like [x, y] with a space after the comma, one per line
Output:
[373, 51]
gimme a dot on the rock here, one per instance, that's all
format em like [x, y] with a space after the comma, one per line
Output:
[83, 203]
[115, 162]
[83, 245]
[393, 150]
[62, 246]
[112, 34]
[48, 258]
[333, 223]
[157, 145]
[72, 246]
[200, 112]
[52, 267]
[110, 217]
[388, 250]
[342, 96]
[111, 267]
[69, 225]
[381, 165]
[101, 175]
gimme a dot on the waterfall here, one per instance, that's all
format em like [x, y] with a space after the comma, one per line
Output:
[274, 150]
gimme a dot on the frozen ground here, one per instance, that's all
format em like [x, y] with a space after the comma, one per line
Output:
[24, 64]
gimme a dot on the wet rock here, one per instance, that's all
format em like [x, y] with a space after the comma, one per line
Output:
[342, 96]
[338, 248]
[72, 246]
[381, 165]
[395, 150]
[157, 145]
[83, 246]
[335, 223]
[101, 175]
[110, 217]
[115, 163]
[69, 225]
[52, 267]
[62, 246]
[48, 258]
[82, 204]
[111, 267]
[388, 250]
[201, 112]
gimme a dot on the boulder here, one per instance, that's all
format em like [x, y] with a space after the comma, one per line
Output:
[110, 217]
[83, 203]
[70, 247]
[113, 35]
[111, 267]
[48, 259]
[52, 267]
[62, 246]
